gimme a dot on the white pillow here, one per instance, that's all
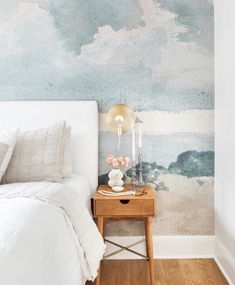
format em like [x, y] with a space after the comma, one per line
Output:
[7, 144]
[67, 169]
[38, 155]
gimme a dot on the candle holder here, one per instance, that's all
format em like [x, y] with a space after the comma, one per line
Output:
[140, 176]
[133, 176]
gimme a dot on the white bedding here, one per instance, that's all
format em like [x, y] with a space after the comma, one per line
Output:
[81, 185]
[47, 235]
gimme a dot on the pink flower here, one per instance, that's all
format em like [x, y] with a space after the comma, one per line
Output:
[120, 158]
[116, 162]
[109, 159]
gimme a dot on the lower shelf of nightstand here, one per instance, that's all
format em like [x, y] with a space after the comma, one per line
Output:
[123, 248]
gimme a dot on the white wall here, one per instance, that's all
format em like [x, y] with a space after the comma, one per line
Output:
[225, 135]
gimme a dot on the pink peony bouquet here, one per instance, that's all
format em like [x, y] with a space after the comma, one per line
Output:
[117, 161]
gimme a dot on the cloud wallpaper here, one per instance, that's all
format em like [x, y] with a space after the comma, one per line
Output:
[155, 55]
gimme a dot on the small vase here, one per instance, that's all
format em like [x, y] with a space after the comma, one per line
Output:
[115, 178]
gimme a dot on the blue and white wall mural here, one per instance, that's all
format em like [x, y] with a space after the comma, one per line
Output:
[155, 55]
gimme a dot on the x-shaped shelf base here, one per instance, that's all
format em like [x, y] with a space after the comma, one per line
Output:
[123, 248]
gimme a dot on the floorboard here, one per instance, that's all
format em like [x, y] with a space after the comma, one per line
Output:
[167, 272]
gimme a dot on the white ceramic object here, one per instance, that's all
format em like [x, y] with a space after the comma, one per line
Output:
[117, 188]
[115, 178]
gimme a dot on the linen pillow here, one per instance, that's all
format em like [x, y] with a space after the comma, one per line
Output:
[38, 155]
[67, 169]
[7, 143]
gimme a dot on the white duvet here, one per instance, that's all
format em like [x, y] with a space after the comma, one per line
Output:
[47, 236]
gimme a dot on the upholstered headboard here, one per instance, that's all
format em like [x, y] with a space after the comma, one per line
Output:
[81, 115]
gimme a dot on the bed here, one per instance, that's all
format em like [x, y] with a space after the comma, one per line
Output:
[47, 233]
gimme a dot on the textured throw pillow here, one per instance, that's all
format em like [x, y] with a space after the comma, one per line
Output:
[38, 155]
[67, 169]
[7, 143]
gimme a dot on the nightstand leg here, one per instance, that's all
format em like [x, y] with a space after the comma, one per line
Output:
[149, 247]
[101, 230]
[101, 225]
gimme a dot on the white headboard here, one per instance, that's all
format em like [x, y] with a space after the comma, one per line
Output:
[81, 115]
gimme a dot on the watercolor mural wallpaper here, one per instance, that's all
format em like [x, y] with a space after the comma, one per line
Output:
[155, 55]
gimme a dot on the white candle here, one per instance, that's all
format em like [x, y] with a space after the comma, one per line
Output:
[140, 135]
[133, 144]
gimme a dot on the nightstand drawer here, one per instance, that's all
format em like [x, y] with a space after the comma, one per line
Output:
[122, 207]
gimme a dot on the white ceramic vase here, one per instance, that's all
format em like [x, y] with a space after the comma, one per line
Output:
[115, 178]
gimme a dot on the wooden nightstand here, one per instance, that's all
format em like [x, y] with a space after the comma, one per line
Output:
[127, 207]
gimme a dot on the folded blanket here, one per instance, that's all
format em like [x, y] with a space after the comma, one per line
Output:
[89, 242]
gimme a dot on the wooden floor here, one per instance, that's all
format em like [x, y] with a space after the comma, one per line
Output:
[167, 272]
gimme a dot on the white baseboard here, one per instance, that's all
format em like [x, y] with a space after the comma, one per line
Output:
[179, 247]
[225, 261]
[175, 247]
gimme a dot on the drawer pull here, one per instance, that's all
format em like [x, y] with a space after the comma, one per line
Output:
[124, 201]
